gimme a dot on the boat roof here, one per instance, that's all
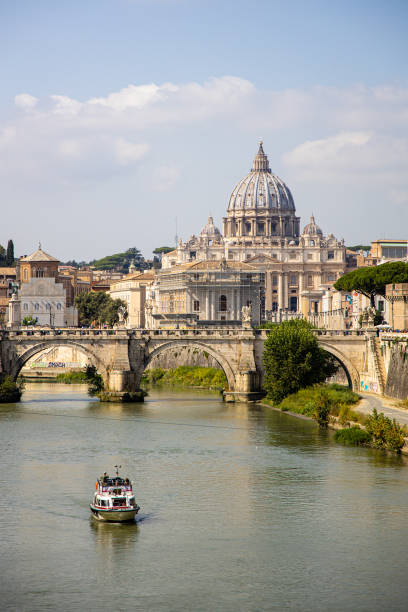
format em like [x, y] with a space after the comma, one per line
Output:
[112, 482]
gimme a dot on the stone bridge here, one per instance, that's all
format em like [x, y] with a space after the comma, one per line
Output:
[121, 355]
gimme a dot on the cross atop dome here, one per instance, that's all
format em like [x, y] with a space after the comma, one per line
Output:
[261, 162]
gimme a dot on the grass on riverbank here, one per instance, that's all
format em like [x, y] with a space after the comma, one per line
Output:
[334, 403]
[186, 376]
[72, 378]
[336, 398]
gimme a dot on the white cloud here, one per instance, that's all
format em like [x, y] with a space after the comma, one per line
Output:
[135, 96]
[65, 105]
[165, 177]
[321, 140]
[129, 152]
[25, 101]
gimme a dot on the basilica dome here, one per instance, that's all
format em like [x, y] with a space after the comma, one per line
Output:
[210, 230]
[261, 188]
[312, 229]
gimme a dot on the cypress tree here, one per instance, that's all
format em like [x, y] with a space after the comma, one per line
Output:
[10, 253]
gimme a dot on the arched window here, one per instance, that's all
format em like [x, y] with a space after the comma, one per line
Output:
[223, 303]
[40, 273]
[58, 306]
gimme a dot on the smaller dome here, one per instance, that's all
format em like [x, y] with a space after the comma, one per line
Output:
[209, 230]
[312, 229]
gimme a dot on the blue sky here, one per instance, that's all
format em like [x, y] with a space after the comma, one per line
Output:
[117, 116]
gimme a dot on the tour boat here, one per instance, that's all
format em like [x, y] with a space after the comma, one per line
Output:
[113, 499]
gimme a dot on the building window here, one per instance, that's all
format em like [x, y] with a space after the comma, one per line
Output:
[274, 281]
[223, 303]
[25, 274]
[274, 306]
[292, 255]
[293, 304]
[331, 277]
[312, 243]
[293, 280]
[330, 255]
[381, 306]
[310, 280]
[36, 306]
[261, 228]
[196, 277]
[310, 255]
[40, 273]
[230, 255]
[273, 227]
[58, 306]
[196, 305]
[25, 306]
[247, 228]
[48, 307]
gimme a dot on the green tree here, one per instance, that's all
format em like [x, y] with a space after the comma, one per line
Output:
[371, 281]
[2, 256]
[293, 359]
[29, 320]
[10, 253]
[121, 261]
[98, 307]
[162, 250]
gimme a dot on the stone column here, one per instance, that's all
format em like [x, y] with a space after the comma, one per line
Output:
[281, 297]
[207, 306]
[212, 298]
[268, 290]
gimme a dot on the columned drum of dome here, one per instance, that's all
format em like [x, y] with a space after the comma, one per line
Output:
[261, 206]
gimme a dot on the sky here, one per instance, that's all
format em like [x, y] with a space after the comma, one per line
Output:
[126, 122]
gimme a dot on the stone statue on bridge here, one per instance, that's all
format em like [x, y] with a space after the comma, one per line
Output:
[246, 315]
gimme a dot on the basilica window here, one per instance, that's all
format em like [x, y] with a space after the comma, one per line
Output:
[310, 281]
[58, 306]
[261, 228]
[331, 277]
[247, 229]
[274, 281]
[223, 303]
[273, 227]
[274, 306]
[36, 306]
[293, 279]
[330, 255]
[312, 243]
[25, 306]
[196, 305]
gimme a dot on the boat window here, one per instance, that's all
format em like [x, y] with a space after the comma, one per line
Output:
[132, 501]
[119, 501]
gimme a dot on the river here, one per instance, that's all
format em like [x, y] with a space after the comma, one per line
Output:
[242, 509]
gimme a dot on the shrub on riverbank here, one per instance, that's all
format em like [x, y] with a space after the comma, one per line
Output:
[353, 436]
[72, 378]
[10, 391]
[306, 400]
[94, 380]
[385, 432]
[186, 376]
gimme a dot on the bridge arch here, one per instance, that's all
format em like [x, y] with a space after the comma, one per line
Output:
[351, 372]
[166, 346]
[41, 346]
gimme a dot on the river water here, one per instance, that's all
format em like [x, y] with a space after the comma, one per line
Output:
[242, 509]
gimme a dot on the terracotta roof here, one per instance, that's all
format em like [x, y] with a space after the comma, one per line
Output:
[149, 276]
[209, 265]
[39, 255]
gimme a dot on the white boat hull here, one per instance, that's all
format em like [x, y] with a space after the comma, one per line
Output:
[114, 516]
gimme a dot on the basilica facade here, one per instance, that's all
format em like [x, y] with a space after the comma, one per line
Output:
[261, 229]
